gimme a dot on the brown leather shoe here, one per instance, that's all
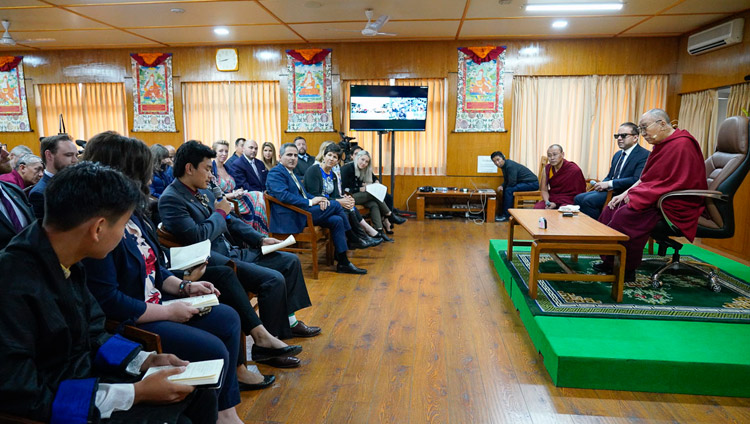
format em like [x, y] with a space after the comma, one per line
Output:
[280, 361]
[302, 330]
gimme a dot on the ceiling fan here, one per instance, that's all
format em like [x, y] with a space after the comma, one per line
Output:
[372, 28]
[8, 40]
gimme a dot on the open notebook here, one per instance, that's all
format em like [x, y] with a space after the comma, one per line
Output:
[201, 373]
[197, 301]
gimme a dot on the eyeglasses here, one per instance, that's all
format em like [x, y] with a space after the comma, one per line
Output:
[621, 135]
[643, 128]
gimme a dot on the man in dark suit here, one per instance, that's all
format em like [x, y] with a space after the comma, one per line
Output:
[15, 210]
[304, 160]
[625, 170]
[192, 214]
[239, 145]
[58, 152]
[249, 173]
[283, 184]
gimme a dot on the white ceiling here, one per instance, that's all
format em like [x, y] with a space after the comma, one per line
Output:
[79, 24]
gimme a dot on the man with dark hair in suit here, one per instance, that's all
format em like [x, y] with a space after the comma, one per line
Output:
[239, 146]
[57, 363]
[304, 160]
[192, 214]
[283, 184]
[248, 172]
[625, 170]
[57, 153]
[15, 210]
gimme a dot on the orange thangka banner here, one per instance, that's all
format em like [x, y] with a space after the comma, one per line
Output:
[480, 89]
[152, 92]
[14, 116]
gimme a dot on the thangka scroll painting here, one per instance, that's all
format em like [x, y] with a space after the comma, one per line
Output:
[480, 89]
[152, 92]
[309, 90]
[14, 116]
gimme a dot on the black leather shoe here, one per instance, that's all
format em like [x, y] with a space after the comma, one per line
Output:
[600, 266]
[348, 269]
[384, 237]
[356, 243]
[374, 241]
[302, 330]
[261, 353]
[280, 361]
[395, 219]
[267, 381]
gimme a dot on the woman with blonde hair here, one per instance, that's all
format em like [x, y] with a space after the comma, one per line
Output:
[268, 151]
[252, 206]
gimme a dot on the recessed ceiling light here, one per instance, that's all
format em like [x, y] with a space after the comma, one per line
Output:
[177, 10]
[221, 31]
[559, 24]
[573, 7]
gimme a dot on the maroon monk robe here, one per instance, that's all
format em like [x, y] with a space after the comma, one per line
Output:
[564, 184]
[675, 164]
[13, 177]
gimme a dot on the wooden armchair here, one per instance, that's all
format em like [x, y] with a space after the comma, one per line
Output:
[310, 240]
[527, 199]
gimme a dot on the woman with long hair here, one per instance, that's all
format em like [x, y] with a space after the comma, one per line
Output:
[252, 206]
[355, 176]
[268, 155]
[162, 169]
[131, 282]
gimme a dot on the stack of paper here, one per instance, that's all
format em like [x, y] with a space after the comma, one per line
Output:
[195, 374]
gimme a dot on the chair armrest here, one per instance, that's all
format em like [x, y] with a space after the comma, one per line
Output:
[306, 213]
[711, 194]
[150, 341]
[236, 204]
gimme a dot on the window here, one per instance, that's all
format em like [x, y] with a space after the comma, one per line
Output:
[87, 109]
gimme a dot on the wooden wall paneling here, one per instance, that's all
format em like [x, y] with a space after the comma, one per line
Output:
[739, 245]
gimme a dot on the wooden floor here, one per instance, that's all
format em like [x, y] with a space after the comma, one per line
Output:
[430, 336]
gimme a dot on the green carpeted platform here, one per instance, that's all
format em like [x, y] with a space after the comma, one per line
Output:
[638, 354]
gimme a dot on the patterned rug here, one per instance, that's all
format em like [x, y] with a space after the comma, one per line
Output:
[681, 297]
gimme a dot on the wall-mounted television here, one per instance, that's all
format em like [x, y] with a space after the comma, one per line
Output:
[387, 108]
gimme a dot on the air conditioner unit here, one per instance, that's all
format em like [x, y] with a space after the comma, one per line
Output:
[717, 37]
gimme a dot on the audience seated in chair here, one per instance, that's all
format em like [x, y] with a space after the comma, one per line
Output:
[57, 152]
[163, 175]
[516, 177]
[51, 363]
[324, 179]
[675, 163]
[304, 161]
[17, 152]
[250, 203]
[239, 146]
[268, 151]
[561, 182]
[249, 173]
[27, 172]
[192, 214]
[15, 210]
[283, 184]
[626, 168]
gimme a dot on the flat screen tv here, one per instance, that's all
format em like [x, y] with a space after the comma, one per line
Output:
[387, 108]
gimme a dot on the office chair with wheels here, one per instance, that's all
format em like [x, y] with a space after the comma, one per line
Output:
[726, 168]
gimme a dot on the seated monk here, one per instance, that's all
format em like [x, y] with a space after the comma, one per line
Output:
[561, 182]
[676, 163]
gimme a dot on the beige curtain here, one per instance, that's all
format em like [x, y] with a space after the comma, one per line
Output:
[87, 109]
[580, 114]
[229, 110]
[698, 115]
[417, 152]
[739, 98]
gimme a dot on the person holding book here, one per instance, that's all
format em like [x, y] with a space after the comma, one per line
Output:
[131, 282]
[54, 352]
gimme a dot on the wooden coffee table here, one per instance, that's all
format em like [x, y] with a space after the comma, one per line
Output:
[442, 201]
[573, 235]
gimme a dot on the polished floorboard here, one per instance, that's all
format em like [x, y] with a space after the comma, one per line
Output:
[429, 336]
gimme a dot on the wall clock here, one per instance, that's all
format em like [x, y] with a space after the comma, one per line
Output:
[227, 60]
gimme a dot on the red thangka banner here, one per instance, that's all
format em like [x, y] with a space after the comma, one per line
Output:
[152, 92]
[309, 92]
[14, 115]
[480, 89]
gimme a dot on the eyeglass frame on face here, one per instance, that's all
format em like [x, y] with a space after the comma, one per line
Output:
[643, 129]
[623, 136]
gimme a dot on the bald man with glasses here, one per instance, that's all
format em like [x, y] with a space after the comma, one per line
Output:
[626, 168]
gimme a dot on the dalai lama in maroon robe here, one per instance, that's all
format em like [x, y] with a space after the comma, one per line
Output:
[676, 163]
[562, 180]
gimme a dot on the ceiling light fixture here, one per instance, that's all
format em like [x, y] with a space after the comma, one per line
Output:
[559, 24]
[574, 7]
[221, 31]
[177, 10]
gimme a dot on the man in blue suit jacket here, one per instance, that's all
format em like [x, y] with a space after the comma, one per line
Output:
[625, 170]
[58, 152]
[249, 173]
[192, 214]
[284, 185]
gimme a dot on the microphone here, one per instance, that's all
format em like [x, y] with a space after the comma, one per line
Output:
[218, 194]
[592, 182]
[81, 143]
